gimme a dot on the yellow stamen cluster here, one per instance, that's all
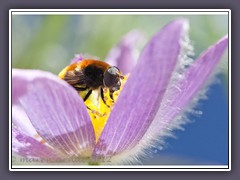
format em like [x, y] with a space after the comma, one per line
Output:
[98, 110]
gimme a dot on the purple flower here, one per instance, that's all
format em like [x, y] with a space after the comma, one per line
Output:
[51, 121]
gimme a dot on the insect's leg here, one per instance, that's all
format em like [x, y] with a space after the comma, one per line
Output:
[111, 95]
[89, 108]
[102, 96]
[87, 95]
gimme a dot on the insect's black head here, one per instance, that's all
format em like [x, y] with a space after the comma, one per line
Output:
[112, 78]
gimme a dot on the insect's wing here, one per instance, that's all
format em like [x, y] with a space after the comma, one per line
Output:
[76, 79]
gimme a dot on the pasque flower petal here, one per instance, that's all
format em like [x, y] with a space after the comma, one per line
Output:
[29, 147]
[123, 55]
[77, 58]
[182, 93]
[21, 79]
[56, 112]
[141, 96]
[21, 120]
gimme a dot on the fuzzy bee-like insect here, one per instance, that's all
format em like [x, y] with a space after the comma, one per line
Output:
[88, 75]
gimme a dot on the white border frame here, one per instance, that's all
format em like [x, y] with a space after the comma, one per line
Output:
[121, 12]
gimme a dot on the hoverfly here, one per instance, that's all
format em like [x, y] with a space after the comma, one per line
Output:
[88, 75]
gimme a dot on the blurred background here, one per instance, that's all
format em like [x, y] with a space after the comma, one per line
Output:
[49, 42]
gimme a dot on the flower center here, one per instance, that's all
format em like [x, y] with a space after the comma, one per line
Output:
[98, 110]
